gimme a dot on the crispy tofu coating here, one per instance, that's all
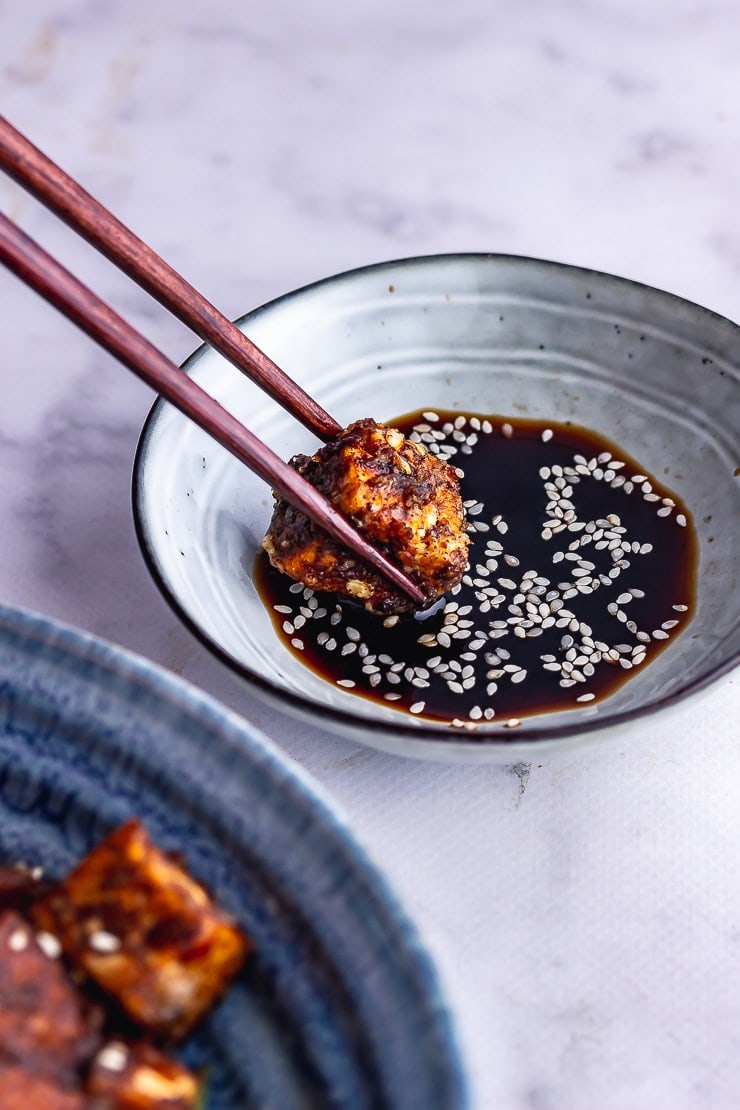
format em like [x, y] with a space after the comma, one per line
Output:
[47, 1029]
[402, 498]
[21, 1090]
[133, 920]
[140, 1077]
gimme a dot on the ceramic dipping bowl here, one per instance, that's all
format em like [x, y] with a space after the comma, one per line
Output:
[507, 337]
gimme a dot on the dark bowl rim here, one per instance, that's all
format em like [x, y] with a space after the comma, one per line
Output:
[484, 736]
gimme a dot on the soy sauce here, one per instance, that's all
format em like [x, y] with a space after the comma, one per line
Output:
[582, 568]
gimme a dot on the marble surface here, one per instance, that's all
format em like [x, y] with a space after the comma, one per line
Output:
[584, 912]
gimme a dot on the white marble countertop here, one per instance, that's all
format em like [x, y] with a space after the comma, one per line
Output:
[584, 911]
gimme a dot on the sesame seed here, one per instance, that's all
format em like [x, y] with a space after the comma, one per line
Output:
[49, 944]
[113, 1056]
[18, 940]
[103, 942]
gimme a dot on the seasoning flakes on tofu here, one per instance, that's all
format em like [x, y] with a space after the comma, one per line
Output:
[102, 973]
[147, 933]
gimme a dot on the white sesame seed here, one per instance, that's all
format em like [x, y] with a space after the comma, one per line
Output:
[49, 944]
[18, 940]
[113, 1056]
[103, 942]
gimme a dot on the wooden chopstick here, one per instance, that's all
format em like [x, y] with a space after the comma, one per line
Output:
[38, 269]
[32, 169]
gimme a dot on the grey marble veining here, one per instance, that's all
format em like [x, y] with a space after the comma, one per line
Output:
[583, 912]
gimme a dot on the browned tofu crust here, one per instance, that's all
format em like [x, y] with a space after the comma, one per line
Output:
[20, 1090]
[139, 1077]
[145, 931]
[46, 1027]
[404, 499]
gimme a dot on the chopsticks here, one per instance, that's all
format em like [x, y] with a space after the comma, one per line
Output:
[41, 272]
[46, 181]
[34, 266]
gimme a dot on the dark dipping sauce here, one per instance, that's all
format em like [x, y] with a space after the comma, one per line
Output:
[582, 568]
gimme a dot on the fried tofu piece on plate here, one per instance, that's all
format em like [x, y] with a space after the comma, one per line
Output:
[145, 931]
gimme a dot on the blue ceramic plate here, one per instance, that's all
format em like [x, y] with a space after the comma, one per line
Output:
[340, 1006]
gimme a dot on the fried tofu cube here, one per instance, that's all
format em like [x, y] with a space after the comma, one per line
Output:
[46, 1027]
[145, 931]
[402, 498]
[140, 1077]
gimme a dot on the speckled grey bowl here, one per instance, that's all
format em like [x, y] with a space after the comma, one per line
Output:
[477, 333]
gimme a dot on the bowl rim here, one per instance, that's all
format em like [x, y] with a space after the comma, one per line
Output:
[485, 736]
